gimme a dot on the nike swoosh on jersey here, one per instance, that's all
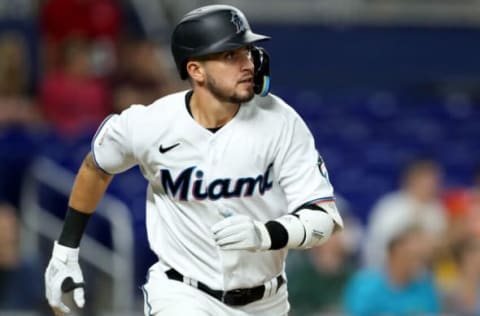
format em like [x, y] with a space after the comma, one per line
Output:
[165, 149]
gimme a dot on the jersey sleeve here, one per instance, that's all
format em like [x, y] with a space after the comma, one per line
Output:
[113, 143]
[301, 171]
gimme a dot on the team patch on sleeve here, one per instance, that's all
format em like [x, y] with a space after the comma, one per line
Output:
[322, 167]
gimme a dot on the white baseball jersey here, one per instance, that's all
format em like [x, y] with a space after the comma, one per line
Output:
[263, 163]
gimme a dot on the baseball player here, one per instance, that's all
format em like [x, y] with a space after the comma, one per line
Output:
[234, 180]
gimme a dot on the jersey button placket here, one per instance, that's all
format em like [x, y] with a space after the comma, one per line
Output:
[215, 171]
[211, 162]
[212, 154]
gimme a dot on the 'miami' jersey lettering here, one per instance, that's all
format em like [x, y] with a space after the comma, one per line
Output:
[217, 189]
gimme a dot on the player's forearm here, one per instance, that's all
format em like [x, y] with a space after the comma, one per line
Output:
[89, 187]
[309, 226]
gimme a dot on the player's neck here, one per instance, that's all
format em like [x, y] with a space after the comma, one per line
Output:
[210, 112]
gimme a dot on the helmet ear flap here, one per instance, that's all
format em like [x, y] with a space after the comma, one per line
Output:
[261, 76]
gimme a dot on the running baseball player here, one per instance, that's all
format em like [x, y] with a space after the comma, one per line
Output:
[234, 180]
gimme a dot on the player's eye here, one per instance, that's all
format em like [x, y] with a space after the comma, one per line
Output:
[237, 54]
[230, 55]
[249, 55]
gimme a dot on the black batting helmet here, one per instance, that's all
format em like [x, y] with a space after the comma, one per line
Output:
[210, 29]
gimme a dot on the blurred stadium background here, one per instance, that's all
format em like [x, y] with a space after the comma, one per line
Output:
[378, 82]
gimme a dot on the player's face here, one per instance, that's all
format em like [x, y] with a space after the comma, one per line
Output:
[229, 76]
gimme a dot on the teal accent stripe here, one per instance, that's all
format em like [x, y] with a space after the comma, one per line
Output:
[266, 86]
[324, 199]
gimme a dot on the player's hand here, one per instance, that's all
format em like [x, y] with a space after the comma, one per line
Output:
[240, 232]
[63, 275]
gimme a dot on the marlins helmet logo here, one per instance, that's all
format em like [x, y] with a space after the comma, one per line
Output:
[237, 22]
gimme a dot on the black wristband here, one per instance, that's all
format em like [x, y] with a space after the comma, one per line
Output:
[278, 234]
[73, 228]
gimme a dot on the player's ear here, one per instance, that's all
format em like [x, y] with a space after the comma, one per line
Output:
[196, 70]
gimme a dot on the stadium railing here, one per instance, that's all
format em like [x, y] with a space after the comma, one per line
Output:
[39, 222]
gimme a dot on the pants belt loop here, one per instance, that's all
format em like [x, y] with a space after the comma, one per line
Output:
[274, 289]
[190, 281]
[194, 283]
[268, 289]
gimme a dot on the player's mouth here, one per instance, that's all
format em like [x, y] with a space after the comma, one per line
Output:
[248, 81]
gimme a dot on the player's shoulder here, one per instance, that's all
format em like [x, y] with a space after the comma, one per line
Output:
[274, 105]
[170, 100]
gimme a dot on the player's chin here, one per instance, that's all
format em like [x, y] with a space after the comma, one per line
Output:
[245, 94]
[246, 97]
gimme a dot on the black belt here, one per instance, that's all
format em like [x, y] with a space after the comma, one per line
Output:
[233, 297]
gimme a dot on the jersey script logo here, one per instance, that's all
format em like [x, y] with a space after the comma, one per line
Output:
[237, 22]
[191, 183]
[165, 149]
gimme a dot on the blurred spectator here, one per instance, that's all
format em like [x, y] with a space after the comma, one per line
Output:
[73, 100]
[464, 296]
[463, 205]
[61, 19]
[19, 116]
[141, 76]
[403, 286]
[417, 199]
[15, 105]
[20, 285]
[317, 278]
[98, 21]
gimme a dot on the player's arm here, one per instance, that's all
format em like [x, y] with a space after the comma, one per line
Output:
[88, 189]
[302, 175]
[309, 226]
[112, 152]
[63, 273]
